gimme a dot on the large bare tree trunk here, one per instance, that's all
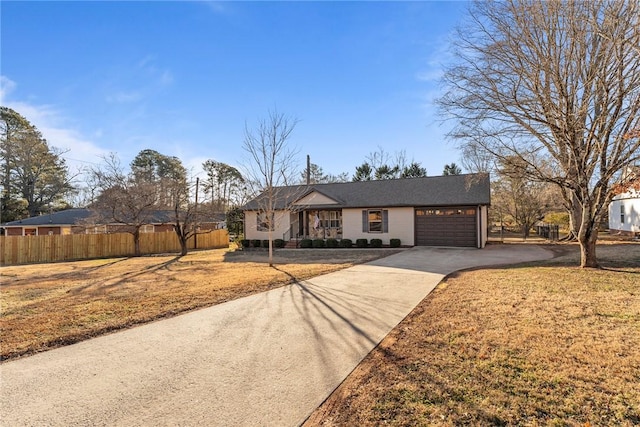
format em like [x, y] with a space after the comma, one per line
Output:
[588, 234]
[574, 222]
[587, 239]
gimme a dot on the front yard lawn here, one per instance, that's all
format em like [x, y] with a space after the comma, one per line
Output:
[539, 344]
[48, 305]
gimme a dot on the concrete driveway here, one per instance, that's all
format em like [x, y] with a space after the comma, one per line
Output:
[265, 360]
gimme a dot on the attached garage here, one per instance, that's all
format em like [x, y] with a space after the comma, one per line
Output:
[449, 226]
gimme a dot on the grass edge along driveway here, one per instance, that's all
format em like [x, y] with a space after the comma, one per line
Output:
[536, 344]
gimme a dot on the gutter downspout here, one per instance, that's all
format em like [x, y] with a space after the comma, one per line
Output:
[479, 226]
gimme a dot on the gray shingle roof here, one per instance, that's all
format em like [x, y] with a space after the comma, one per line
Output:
[451, 190]
[66, 217]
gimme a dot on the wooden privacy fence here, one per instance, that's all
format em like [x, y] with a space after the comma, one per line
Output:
[41, 249]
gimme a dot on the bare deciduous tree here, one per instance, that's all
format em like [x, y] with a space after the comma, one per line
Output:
[123, 200]
[475, 159]
[185, 216]
[558, 81]
[518, 196]
[155, 185]
[271, 164]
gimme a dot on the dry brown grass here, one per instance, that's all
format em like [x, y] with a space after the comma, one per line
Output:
[538, 344]
[49, 305]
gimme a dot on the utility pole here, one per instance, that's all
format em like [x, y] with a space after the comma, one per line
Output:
[195, 216]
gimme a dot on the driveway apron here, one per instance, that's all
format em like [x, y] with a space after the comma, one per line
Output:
[265, 360]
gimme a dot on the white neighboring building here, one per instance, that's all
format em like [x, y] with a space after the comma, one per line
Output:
[624, 210]
[624, 213]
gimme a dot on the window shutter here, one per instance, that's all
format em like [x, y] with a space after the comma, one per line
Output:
[385, 221]
[365, 222]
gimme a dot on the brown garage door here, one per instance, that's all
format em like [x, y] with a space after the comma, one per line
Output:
[455, 226]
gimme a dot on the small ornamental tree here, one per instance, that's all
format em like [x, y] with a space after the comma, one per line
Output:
[271, 164]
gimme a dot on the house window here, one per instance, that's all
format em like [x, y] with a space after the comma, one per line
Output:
[450, 211]
[335, 219]
[621, 214]
[262, 222]
[375, 221]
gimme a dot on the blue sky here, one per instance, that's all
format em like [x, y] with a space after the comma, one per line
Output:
[183, 78]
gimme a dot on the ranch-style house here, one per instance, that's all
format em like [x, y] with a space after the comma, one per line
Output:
[432, 211]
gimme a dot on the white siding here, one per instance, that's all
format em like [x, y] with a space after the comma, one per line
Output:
[282, 224]
[401, 224]
[630, 204]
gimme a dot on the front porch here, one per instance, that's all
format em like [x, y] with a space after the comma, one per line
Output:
[313, 224]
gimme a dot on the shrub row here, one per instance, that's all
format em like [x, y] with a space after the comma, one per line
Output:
[346, 243]
[321, 243]
[256, 243]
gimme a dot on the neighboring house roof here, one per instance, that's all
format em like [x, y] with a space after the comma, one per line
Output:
[66, 217]
[78, 216]
[450, 190]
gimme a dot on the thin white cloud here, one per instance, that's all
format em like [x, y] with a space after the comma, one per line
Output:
[146, 62]
[79, 151]
[124, 97]
[136, 81]
[166, 78]
[146, 77]
[194, 166]
[218, 7]
[6, 87]
[149, 68]
[430, 75]
[435, 62]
